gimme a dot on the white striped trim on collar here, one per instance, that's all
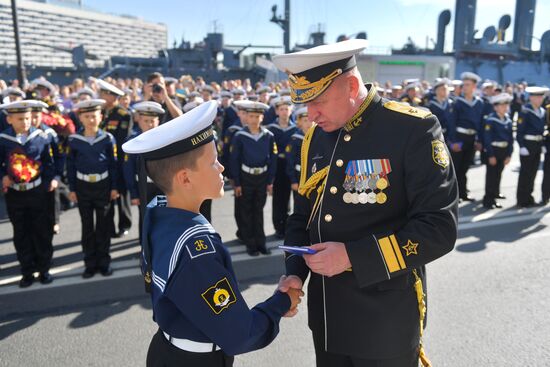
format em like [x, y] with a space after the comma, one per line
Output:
[83, 138]
[31, 136]
[471, 104]
[254, 137]
[196, 229]
[279, 127]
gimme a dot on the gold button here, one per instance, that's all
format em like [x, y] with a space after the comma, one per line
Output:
[339, 163]
[333, 190]
[347, 137]
[328, 218]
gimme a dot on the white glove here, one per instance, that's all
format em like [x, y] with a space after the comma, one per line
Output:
[544, 150]
[523, 152]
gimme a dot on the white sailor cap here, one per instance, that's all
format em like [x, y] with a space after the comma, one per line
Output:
[226, 94]
[301, 112]
[14, 91]
[170, 80]
[252, 106]
[239, 91]
[284, 92]
[148, 108]
[536, 91]
[37, 106]
[441, 82]
[89, 105]
[190, 105]
[313, 70]
[87, 91]
[264, 89]
[283, 100]
[411, 81]
[43, 83]
[73, 95]
[108, 87]
[379, 89]
[468, 75]
[182, 134]
[194, 94]
[456, 82]
[488, 83]
[397, 87]
[17, 106]
[208, 89]
[410, 86]
[501, 98]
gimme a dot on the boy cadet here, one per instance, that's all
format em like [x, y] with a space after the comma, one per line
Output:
[117, 121]
[282, 128]
[441, 105]
[530, 135]
[13, 94]
[203, 319]
[294, 148]
[498, 146]
[253, 162]
[92, 174]
[27, 171]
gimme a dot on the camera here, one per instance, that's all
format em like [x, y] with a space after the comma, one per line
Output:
[157, 88]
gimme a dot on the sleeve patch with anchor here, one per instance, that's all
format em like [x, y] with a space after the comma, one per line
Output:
[219, 296]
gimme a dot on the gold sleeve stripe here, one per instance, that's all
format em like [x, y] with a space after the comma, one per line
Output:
[389, 255]
[397, 251]
[304, 152]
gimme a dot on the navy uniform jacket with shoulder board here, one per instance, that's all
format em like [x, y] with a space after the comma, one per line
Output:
[92, 158]
[530, 122]
[195, 294]
[292, 152]
[498, 130]
[372, 311]
[35, 156]
[254, 151]
[467, 115]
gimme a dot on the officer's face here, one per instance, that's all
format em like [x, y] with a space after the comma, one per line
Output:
[207, 178]
[91, 119]
[21, 122]
[332, 109]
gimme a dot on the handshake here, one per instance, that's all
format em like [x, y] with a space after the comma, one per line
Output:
[291, 285]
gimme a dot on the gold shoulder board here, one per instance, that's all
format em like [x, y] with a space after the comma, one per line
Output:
[407, 110]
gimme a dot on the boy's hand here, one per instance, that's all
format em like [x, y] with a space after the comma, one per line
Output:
[72, 197]
[6, 182]
[295, 298]
[294, 187]
[114, 194]
[53, 185]
[270, 189]
[238, 191]
[135, 202]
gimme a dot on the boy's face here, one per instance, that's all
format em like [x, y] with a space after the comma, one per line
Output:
[284, 110]
[254, 119]
[125, 101]
[21, 122]
[303, 123]
[146, 122]
[36, 118]
[501, 108]
[91, 119]
[206, 179]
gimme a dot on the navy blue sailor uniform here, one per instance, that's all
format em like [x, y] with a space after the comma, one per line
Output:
[292, 153]
[384, 186]
[281, 185]
[530, 135]
[465, 128]
[442, 110]
[253, 162]
[92, 174]
[498, 142]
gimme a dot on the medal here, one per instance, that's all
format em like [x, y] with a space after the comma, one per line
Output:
[363, 198]
[347, 197]
[355, 198]
[371, 198]
[381, 198]
[372, 183]
[382, 183]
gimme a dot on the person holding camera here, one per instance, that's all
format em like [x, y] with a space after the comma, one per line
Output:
[155, 90]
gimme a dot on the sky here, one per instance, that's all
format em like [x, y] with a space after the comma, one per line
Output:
[388, 23]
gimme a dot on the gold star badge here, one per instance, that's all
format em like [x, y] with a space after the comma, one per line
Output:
[410, 247]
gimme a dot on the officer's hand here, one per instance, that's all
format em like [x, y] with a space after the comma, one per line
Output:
[6, 182]
[270, 189]
[331, 259]
[523, 152]
[478, 146]
[506, 161]
[114, 194]
[455, 147]
[72, 197]
[294, 187]
[135, 202]
[238, 191]
[53, 185]
[295, 299]
[492, 161]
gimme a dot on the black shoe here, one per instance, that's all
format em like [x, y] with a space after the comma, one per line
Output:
[500, 197]
[88, 273]
[122, 233]
[26, 281]
[106, 270]
[45, 277]
[253, 253]
[265, 251]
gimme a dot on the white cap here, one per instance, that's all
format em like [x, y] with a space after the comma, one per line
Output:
[180, 135]
[283, 100]
[14, 91]
[103, 85]
[43, 83]
[456, 82]
[501, 98]
[468, 75]
[37, 105]
[87, 91]
[536, 90]
[89, 105]
[148, 108]
[302, 111]
[17, 106]
[190, 105]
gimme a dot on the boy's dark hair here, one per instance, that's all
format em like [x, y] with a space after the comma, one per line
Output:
[153, 76]
[162, 171]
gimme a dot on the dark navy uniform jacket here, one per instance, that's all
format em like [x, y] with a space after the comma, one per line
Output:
[131, 169]
[3, 121]
[269, 116]
[442, 111]
[117, 121]
[530, 122]
[498, 130]
[58, 150]
[372, 311]
[231, 117]
[226, 145]
[35, 154]
[92, 158]
[282, 135]
[195, 294]
[467, 115]
[292, 152]
[254, 151]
